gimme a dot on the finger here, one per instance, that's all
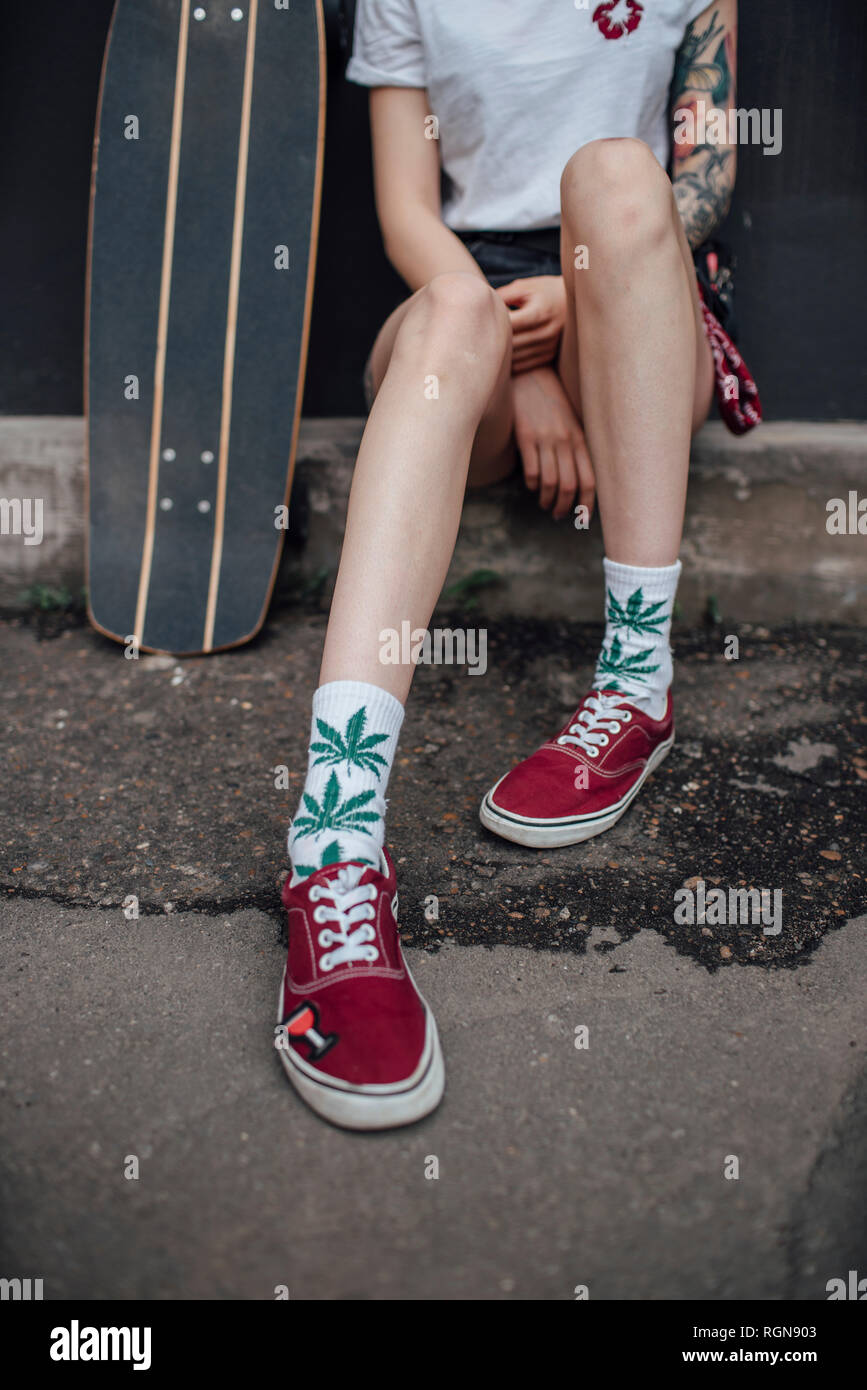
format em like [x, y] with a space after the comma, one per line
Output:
[544, 342]
[546, 348]
[568, 480]
[530, 463]
[527, 362]
[529, 368]
[544, 334]
[532, 314]
[514, 292]
[549, 475]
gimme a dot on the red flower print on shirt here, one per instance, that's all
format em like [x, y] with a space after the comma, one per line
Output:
[613, 26]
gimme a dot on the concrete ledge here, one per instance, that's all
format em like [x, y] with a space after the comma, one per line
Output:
[755, 537]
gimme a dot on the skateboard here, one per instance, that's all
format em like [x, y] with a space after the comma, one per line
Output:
[203, 229]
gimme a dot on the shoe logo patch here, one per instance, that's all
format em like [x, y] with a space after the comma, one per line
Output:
[303, 1022]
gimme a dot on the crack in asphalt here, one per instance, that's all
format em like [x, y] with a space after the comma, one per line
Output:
[103, 756]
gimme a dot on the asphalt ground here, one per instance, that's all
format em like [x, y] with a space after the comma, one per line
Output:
[608, 1165]
[163, 779]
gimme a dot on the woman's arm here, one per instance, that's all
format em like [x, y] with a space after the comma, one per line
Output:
[406, 176]
[704, 74]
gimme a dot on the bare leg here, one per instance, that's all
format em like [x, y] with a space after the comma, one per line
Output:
[494, 455]
[634, 357]
[411, 472]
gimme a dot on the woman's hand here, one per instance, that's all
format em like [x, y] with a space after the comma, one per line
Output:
[538, 312]
[551, 442]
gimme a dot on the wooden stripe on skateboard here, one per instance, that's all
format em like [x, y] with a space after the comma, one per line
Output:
[163, 322]
[231, 329]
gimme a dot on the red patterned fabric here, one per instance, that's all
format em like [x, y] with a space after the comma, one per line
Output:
[736, 391]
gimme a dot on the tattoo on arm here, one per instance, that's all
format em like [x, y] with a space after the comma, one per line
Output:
[694, 71]
[703, 176]
[703, 192]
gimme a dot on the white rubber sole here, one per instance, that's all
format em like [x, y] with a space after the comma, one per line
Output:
[553, 834]
[371, 1107]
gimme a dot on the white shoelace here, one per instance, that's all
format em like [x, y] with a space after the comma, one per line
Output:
[600, 716]
[350, 912]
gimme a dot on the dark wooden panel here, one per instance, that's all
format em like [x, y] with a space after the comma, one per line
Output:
[799, 219]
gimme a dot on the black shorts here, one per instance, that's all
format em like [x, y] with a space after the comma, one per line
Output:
[505, 256]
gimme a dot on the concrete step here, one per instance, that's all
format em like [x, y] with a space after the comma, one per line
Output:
[756, 541]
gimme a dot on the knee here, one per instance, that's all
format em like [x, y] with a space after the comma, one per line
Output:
[464, 309]
[618, 187]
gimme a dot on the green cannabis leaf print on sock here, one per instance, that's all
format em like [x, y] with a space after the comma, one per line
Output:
[349, 747]
[616, 664]
[332, 854]
[334, 814]
[635, 617]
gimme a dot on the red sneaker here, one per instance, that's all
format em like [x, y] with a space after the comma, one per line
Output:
[358, 1041]
[581, 782]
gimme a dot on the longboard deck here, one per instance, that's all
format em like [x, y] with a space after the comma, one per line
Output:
[204, 219]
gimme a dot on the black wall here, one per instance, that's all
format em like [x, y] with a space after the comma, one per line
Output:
[798, 223]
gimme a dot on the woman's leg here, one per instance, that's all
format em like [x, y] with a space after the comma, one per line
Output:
[634, 358]
[442, 365]
[443, 397]
[347, 997]
[636, 366]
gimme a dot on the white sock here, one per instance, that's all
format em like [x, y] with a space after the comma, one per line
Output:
[341, 815]
[635, 657]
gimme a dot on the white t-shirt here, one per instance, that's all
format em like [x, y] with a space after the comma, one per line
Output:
[518, 85]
